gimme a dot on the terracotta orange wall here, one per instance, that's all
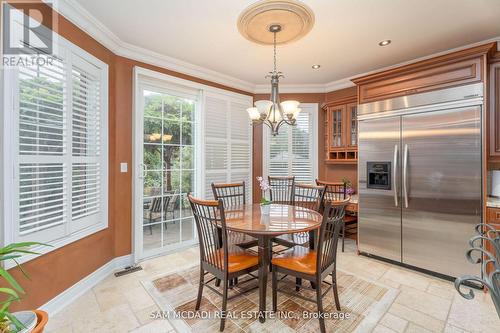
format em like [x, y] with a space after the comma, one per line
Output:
[327, 172]
[58, 270]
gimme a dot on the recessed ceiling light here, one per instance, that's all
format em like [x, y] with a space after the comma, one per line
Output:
[385, 42]
[316, 66]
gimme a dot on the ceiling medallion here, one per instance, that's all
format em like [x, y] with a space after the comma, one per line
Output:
[275, 22]
[295, 18]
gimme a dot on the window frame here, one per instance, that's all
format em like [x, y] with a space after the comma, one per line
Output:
[311, 108]
[71, 54]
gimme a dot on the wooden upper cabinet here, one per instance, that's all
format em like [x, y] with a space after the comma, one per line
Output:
[341, 131]
[352, 124]
[494, 110]
[336, 119]
[493, 219]
[454, 69]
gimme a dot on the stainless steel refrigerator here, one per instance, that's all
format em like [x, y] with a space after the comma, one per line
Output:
[419, 176]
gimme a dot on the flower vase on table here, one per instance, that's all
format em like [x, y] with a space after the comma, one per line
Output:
[265, 204]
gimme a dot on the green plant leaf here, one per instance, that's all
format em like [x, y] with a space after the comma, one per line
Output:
[15, 321]
[6, 275]
[7, 302]
[19, 247]
[9, 291]
[22, 269]
[10, 256]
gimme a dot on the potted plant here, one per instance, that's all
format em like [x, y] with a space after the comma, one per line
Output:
[348, 186]
[23, 321]
[265, 204]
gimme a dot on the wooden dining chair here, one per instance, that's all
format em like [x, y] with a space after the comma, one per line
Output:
[234, 195]
[223, 261]
[307, 196]
[281, 189]
[337, 191]
[334, 191]
[313, 265]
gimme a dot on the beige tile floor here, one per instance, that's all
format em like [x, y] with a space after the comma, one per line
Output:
[424, 304]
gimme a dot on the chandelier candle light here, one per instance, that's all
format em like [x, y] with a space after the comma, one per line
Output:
[274, 113]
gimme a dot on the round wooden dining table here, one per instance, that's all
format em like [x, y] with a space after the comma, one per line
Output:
[282, 219]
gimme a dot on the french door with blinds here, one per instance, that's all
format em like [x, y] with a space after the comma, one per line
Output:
[293, 152]
[187, 135]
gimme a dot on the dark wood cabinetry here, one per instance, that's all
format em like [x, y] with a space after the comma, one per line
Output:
[341, 131]
[454, 69]
[493, 219]
[494, 110]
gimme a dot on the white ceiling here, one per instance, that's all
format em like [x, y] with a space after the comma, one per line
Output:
[344, 39]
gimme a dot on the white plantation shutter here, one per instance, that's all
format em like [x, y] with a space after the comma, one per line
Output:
[42, 123]
[42, 149]
[86, 180]
[216, 132]
[241, 146]
[42, 200]
[293, 152]
[59, 153]
[302, 155]
[227, 141]
[279, 154]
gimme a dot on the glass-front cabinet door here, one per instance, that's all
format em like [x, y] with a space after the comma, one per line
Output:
[336, 120]
[352, 127]
[341, 131]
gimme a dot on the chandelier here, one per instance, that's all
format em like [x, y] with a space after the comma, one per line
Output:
[272, 112]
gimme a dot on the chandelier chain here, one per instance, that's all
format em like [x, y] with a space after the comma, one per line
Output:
[275, 52]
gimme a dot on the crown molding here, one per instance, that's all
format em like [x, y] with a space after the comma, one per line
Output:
[339, 84]
[79, 16]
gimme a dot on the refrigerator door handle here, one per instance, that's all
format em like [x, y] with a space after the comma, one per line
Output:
[394, 175]
[405, 175]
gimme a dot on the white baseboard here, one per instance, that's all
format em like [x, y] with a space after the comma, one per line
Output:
[69, 295]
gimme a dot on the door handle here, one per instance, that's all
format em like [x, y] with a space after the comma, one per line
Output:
[143, 171]
[405, 176]
[394, 175]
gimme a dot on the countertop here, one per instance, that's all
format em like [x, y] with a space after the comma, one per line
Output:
[354, 199]
[493, 202]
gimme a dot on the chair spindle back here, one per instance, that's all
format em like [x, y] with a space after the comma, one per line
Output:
[333, 218]
[281, 189]
[308, 196]
[211, 225]
[231, 194]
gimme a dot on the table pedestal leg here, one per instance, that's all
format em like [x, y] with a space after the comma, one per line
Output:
[313, 237]
[263, 269]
